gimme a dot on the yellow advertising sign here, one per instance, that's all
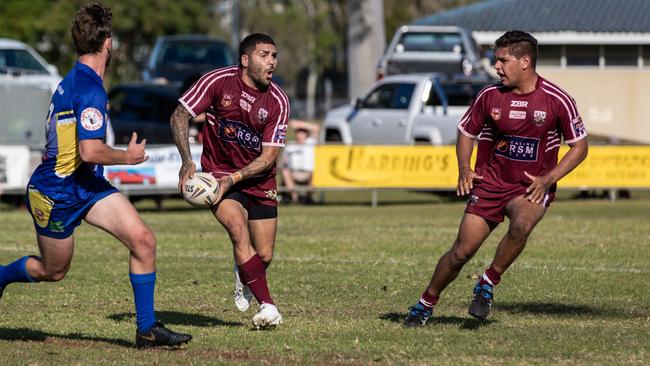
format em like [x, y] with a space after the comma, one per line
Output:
[385, 167]
[436, 167]
[611, 167]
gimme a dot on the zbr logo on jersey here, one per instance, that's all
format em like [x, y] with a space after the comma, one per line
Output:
[261, 115]
[226, 100]
[92, 119]
[517, 148]
[496, 114]
[234, 131]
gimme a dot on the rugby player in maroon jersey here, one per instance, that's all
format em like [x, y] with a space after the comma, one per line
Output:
[520, 123]
[247, 116]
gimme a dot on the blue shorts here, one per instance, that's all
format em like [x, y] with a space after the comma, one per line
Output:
[57, 218]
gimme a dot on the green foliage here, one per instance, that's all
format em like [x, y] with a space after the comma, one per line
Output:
[45, 25]
[310, 33]
[343, 277]
[398, 12]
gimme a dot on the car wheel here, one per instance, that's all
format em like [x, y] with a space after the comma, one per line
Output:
[333, 136]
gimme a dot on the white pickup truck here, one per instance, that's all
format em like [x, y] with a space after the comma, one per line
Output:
[402, 110]
[429, 48]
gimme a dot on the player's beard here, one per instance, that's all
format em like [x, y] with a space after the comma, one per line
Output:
[258, 74]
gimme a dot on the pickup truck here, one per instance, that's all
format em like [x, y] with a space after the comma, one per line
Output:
[445, 49]
[403, 110]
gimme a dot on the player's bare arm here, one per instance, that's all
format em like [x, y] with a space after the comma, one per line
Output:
[95, 151]
[261, 164]
[466, 176]
[179, 123]
[540, 186]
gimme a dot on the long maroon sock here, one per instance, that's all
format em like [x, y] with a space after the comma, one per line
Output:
[253, 274]
[491, 277]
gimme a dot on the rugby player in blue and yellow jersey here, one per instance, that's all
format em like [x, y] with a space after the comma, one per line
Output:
[69, 185]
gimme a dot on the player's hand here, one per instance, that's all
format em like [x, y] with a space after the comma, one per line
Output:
[225, 183]
[188, 168]
[536, 192]
[466, 178]
[135, 151]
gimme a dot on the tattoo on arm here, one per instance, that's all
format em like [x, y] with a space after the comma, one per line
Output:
[179, 122]
[256, 166]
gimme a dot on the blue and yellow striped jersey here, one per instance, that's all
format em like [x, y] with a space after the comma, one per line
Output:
[77, 112]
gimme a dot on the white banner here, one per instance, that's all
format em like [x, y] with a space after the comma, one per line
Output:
[159, 172]
[14, 167]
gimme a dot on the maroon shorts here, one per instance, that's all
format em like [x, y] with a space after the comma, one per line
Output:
[490, 202]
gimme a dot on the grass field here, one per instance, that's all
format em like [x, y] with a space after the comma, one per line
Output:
[343, 277]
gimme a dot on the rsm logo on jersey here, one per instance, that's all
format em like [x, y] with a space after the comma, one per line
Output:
[517, 148]
[238, 132]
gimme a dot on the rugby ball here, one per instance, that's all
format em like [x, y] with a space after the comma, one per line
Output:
[201, 190]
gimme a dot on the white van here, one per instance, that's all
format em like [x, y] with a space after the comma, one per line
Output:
[22, 65]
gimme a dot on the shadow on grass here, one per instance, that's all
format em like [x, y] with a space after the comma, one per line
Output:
[26, 334]
[462, 323]
[177, 318]
[555, 309]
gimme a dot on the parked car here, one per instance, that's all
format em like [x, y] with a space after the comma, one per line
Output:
[402, 110]
[136, 175]
[22, 65]
[422, 49]
[142, 108]
[174, 59]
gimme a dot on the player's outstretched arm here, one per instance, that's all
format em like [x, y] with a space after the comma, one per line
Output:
[466, 176]
[97, 152]
[540, 185]
[179, 123]
[261, 164]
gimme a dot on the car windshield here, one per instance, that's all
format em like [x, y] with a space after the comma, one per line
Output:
[19, 61]
[431, 42]
[390, 96]
[457, 93]
[194, 53]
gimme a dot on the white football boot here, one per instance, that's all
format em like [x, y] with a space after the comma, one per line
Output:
[268, 316]
[242, 294]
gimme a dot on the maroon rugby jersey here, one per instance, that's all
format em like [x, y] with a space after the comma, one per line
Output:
[240, 120]
[523, 131]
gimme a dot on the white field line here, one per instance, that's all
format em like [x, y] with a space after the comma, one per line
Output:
[386, 261]
[393, 261]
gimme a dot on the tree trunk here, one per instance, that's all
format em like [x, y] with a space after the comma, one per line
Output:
[366, 42]
[312, 82]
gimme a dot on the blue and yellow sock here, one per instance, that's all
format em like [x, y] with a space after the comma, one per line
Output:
[143, 288]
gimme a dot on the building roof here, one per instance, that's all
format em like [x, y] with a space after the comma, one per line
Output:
[548, 16]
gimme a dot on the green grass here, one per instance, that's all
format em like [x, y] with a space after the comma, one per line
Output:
[343, 277]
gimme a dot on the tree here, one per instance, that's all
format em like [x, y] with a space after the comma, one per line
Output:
[136, 24]
[366, 43]
[311, 33]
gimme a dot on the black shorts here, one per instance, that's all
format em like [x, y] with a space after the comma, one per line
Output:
[256, 211]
